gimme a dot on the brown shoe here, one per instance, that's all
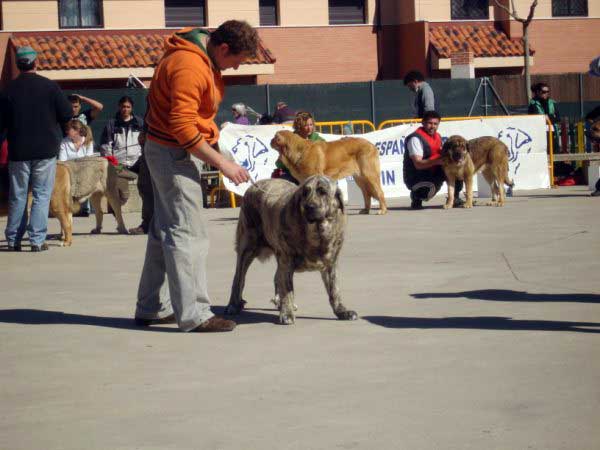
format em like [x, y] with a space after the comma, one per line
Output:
[137, 230]
[215, 325]
[147, 322]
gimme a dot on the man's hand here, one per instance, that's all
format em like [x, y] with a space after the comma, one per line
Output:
[234, 172]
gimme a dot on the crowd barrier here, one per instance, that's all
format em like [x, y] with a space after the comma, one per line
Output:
[569, 144]
[345, 127]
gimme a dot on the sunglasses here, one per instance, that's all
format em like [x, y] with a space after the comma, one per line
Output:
[545, 92]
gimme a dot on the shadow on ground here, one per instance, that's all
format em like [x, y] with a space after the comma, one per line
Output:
[481, 323]
[505, 295]
[43, 317]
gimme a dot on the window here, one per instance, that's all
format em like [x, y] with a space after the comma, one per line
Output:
[268, 12]
[80, 13]
[562, 8]
[184, 13]
[346, 12]
[470, 9]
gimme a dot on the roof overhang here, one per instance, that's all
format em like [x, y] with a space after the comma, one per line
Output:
[143, 72]
[492, 62]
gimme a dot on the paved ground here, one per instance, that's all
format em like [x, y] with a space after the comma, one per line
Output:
[479, 329]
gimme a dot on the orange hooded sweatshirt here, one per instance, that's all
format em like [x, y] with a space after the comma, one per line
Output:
[185, 93]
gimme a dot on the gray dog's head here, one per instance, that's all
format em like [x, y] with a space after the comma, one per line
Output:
[319, 199]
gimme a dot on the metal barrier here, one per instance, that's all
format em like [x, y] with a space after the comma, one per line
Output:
[394, 122]
[219, 188]
[345, 127]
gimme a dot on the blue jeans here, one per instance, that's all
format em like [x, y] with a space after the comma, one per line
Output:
[39, 174]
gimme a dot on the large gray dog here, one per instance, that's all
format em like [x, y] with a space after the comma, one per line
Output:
[303, 226]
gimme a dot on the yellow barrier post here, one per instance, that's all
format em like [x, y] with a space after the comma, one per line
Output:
[580, 142]
[219, 188]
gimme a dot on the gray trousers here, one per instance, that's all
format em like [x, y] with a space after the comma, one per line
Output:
[174, 274]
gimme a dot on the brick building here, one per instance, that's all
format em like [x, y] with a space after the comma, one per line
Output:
[99, 43]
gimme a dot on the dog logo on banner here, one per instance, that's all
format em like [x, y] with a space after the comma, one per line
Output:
[249, 151]
[517, 141]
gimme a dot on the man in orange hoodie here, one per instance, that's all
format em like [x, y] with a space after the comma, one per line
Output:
[183, 101]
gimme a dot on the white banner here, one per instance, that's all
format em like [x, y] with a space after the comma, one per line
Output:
[525, 137]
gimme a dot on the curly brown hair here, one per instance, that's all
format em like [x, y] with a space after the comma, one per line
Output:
[301, 118]
[238, 35]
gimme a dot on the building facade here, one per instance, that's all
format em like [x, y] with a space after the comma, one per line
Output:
[99, 43]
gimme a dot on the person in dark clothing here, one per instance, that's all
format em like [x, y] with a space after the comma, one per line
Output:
[32, 108]
[284, 114]
[593, 115]
[88, 115]
[541, 103]
[124, 138]
[144, 185]
[422, 170]
[424, 99]
[120, 135]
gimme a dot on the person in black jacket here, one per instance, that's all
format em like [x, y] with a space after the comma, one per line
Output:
[32, 108]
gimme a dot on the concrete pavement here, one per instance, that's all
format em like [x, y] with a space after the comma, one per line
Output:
[479, 329]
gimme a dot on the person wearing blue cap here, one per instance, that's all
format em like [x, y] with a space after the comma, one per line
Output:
[32, 109]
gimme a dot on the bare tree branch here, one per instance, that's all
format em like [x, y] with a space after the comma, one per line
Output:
[514, 8]
[531, 12]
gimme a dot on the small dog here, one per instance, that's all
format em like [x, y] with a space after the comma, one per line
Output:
[462, 160]
[354, 157]
[303, 226]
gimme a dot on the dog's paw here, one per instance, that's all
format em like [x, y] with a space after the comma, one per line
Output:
[277, 302]
[468, 205]
[448, 206]
[96, 231]
[286, 319]
[234, 309]
[347, 315]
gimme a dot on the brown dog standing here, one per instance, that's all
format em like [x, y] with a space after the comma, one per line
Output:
[457, 164]
[462, 160]
[354, 157]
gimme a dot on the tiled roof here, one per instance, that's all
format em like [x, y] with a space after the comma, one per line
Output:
[93, 50]
[483, 40]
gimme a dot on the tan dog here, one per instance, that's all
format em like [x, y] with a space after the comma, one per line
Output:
[88, 178]
[462, 160]
[354, 157]
[303, 227]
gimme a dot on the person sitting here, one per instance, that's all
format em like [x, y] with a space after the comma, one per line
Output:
[78, 142]
[120, 136]
[304, 126]
[422, 171]
[240, 114]
[284, 114]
